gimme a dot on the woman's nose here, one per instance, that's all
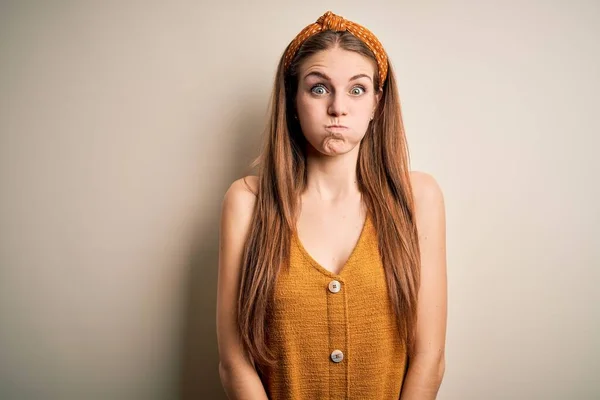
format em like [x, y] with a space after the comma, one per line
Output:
[338, 105]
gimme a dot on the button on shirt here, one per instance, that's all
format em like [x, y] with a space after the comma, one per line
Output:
[334, 286]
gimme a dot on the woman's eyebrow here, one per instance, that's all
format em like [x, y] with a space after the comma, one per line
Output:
[324, 76]
[355, 77]
[317, 74]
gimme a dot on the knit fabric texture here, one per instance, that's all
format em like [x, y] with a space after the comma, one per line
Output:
[315, 322]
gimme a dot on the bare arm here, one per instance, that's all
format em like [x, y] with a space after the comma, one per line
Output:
[238, 376]
[427, 363]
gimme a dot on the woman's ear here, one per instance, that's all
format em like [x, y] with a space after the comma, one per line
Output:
[378, 96]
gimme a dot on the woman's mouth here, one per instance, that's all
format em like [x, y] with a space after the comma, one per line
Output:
[336, 127]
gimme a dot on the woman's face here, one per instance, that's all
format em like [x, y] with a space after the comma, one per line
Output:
[336, 99]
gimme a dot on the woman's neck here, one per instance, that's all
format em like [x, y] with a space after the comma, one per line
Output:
[332, 178]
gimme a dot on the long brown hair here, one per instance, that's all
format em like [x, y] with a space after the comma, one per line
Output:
[383, 179]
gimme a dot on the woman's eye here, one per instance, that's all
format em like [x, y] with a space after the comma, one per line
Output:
[357, 90]
[319, 89]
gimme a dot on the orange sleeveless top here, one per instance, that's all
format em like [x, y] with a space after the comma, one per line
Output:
[334, 336]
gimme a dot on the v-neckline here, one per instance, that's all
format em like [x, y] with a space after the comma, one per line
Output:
[321, 268]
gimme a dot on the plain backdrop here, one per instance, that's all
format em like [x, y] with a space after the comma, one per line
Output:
[123, 123]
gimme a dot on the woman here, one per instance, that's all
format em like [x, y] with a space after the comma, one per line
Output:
[332, 270]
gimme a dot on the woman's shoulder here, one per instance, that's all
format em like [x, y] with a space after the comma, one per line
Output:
[237, 210]
[244, 187]
[428, 201]
[424, 187]
[240, 198]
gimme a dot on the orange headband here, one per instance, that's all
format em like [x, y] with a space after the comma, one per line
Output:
[330, 21]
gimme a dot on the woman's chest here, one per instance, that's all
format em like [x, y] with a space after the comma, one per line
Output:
[330, 240]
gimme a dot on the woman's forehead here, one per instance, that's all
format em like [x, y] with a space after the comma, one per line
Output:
[338, 64]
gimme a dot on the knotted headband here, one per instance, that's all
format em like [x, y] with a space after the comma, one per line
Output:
[330, 21]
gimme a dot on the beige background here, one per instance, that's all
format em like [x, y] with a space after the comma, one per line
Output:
[123, 123]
